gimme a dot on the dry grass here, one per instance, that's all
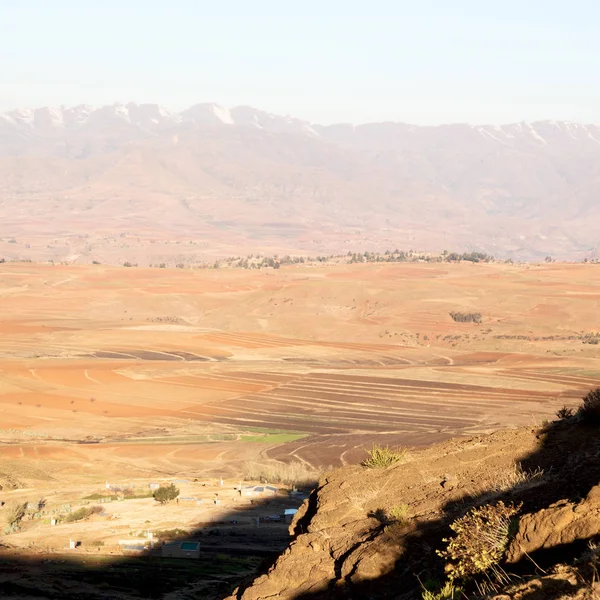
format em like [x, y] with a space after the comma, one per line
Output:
[516, 479]
[447, 592]
[15, 513]
[294, 474]
[396, 515]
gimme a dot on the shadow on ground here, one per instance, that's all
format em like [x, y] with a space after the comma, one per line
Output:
[568, 452]
[231, 550]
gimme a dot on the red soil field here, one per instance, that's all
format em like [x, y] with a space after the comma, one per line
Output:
[349, 355]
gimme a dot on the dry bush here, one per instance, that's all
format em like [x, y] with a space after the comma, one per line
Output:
[589, 410]
[482, 536]
[383, 456]
[15, 513]
[82, 514]
[564, 413]
[295, 473]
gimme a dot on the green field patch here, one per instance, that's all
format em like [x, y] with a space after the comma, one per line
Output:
[282, 437]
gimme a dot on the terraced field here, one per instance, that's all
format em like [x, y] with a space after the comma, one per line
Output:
[176, 368]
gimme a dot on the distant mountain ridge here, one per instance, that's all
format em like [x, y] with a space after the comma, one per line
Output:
[155, 117]
[521, 190]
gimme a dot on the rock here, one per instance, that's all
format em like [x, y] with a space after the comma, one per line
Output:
[559, 524]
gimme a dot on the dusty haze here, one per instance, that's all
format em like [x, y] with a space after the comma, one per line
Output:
[224, 182]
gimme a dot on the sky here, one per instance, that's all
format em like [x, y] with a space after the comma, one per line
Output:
[419, 61]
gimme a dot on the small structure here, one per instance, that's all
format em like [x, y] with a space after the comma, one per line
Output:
[187, 500]
[154, 486]
[259, 491]
[289, 514]
[181, 550]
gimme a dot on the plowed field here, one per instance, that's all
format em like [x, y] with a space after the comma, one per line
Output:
[172, 368]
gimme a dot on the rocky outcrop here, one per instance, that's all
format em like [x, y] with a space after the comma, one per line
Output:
[344, 546]
[343, 542]
[558, 525]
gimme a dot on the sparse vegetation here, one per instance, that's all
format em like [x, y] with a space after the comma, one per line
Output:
[381, 457]
[564, 412]
[447, 592]
[294, 473]
[482, 536]
[397, 515]
[166, 493]
[513, 480]
[81, 514]
[461, 317]
[590, 408]
[591, 338]
[165, 535]
[14, 515]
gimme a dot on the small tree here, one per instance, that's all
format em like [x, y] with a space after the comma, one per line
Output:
[166, 493]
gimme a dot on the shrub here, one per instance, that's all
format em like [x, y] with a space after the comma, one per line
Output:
[166, 493]
[591, 338]
[564, 413]
[590, 408]
[170, 534]
[383, 456]
[448, 592]
[81, 514]
[482, 536]
[460, 317]
[399, 513]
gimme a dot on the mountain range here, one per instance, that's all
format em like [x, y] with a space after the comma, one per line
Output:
[243, 179]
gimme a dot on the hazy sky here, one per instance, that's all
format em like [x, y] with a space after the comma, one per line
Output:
[419, 61]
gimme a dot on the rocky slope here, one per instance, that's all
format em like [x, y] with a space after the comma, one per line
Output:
[346, 547]
[244, 178]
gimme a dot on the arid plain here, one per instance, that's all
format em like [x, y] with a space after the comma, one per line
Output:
[186, 372]
[132, 376]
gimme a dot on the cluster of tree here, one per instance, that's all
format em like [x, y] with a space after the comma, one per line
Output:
[411, 256]
[474, 257]
[274, 262]
[460, 317]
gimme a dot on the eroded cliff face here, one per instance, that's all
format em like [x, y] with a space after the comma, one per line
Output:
[347, 544]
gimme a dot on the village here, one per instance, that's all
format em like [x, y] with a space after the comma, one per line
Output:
[125, 519]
